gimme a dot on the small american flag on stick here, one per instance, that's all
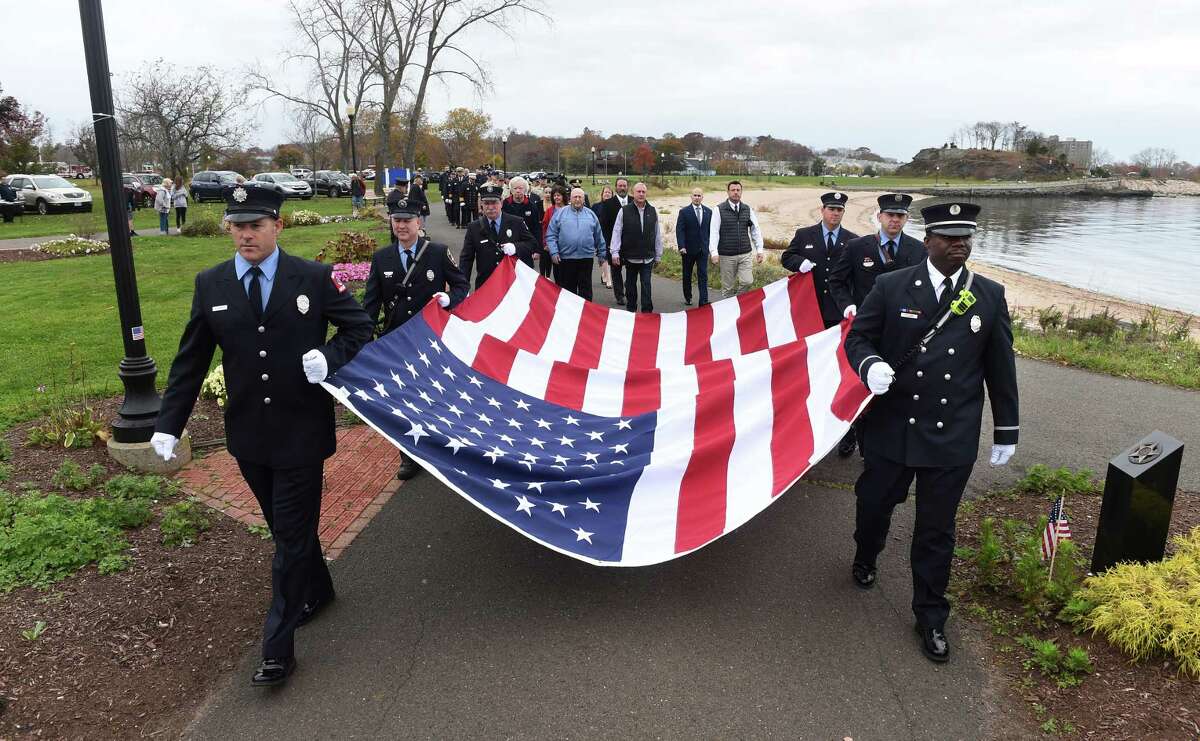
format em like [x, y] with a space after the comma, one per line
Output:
[1057, 528]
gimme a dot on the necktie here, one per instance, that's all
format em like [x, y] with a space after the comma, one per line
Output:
[829, 244]
[256, 302]
[947, 291]
[407, 259]
[496, 227]
[698, 219]
[891, 250]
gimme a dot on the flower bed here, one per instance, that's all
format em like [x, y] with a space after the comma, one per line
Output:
[72, 246]
[352, 272]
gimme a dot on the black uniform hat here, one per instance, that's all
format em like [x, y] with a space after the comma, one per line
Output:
[951, 219]
[494, 192]
[404, 209]
[895, 203]
[834, 200]
[576, 181]
[253, 201]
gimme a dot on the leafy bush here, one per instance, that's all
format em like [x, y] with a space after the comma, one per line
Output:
[45, 538]
[1103, 325]
[1151, 609]
[1050, 317]
[72, 246]
[214, 386]
[1051, 483]
[1067, 670]
[305, 218]
[129, 486]
[183, 522]
[68, 427]
[86, 226]
[348, 247]
[71, 476]
[989, 553]
[203, 224]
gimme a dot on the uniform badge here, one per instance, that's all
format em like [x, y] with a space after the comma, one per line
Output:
[240, 194]
[868, 262]
[429, 275]
[387, 273]
[955, 209]
[527, 213]
[899, 198]
[341, 288]
[837, 196]
[808, 246]
[976, 323]
[508, 232]
[302, 303]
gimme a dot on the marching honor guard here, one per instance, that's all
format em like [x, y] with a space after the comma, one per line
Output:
[926, 341]
[269, 312]
[492, 236]
[449, 189]
[404, 276]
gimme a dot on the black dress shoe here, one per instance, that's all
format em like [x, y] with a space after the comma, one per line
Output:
[864, 575]
[934, 644]
[687, 302]
[408, 469]
[847, 445]
[273, 672]
[311, 610]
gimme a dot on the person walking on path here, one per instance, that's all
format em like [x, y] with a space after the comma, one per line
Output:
[637, 240]
[558, 200]
[162, 204]
[269, 313]
[358, 193]
[179, 199]
[528, 208]
[493, 236]
[735, 242]
[926, 341]
[574, 239]
[608, 212]
[691, 235]
[604, 259]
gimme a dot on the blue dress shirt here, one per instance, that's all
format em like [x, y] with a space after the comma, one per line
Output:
[242, 266]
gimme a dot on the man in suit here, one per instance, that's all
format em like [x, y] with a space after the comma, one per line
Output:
[468, 200]
[691, 234]
[608, 219]
[494, 235]
[926, 341]
[404, 276]
[526, 206]
[269, 313]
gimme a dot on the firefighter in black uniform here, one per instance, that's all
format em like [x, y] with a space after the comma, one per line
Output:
[404, 276]
[468, 200]
[494, 235]
[269, 312]
[449, 189]
[926, 340]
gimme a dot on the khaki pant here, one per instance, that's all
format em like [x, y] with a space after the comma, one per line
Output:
[740, 267]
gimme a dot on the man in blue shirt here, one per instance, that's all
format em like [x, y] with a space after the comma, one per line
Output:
[574, 239]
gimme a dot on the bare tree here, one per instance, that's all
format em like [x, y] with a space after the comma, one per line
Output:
[82, 143]
[991, 132]
[309, 131]
[178, 113]
[1158, 160]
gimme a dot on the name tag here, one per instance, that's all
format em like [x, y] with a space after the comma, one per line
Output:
[222, 307]
[387, 274]
[910, 313]
[868, 262]
[483, 241]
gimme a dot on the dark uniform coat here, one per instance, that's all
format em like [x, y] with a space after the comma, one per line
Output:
[274, 416]
[931, 415]
[449, 189]
[399, 295]
[482, 247]
[809, 244]
[856, 267]
[530, 212]
[468, 201]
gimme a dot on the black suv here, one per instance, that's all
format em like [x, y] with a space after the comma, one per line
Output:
[211, 185]
[331, 182]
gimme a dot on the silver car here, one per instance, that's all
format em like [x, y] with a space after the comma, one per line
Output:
[293, 187]
[46, 193]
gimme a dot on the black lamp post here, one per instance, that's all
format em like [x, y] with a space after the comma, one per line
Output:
[504, 141]
[353, 152]
[593, 165]
[138, 412]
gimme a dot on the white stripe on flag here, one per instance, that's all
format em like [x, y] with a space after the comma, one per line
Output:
[824, 377]
[462, 338]
[618, 338]
[605, 392]
[530, 374]
[749, 479]
[672, 339]
[560, 337]
[725, 342]
[777, 310]
[506, 319]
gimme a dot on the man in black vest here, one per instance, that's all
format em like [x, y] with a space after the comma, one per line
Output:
[735, 242]
[404, 276]
[608, 212]
[492, 236]
[269, 313]
[926, 341]
[637, 240]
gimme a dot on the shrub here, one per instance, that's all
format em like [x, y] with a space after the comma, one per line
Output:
[70, 428]
[989, 553]
[72, 246]
[1103, 325]
[183, 522]
[214, 386]
[203, 224]
[129, 486]
[1067, 670]
[71, 476]
[1051, 483]
[86, 226]
[348, 247]
[1050, 318]
[305, 218]
[5, 472]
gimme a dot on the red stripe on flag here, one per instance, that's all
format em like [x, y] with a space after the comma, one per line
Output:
[567, 384]
[699, 334]
[483, 302]
[791, 430]
[850, 391]
[751, 322]
[531, 335]
[643, 392]
[702, 505]
[643, 347]
[590, 337]
[494, 358]
[806, 312]
[436, 317]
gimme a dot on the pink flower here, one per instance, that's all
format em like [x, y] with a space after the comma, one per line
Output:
[351, 271]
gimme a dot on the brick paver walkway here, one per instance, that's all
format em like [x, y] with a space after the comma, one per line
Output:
[359, 479]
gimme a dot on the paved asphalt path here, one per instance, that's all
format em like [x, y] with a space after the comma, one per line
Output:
[449, 625]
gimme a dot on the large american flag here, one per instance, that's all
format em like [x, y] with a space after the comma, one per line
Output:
[1058, 528]
[616, 438]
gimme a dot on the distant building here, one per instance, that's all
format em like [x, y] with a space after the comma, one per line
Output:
[1077, 151]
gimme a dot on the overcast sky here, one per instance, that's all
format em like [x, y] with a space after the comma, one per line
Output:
[892, 76]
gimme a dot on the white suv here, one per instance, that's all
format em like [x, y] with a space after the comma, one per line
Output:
[46, 193]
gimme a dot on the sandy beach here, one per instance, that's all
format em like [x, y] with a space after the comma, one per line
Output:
[782, 210]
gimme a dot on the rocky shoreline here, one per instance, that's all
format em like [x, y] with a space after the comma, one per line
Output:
[1108, 187]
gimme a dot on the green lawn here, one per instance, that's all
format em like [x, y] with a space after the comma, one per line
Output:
[145, 220]
[61, 328]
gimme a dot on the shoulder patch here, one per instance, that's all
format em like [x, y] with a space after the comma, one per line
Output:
[341, 287]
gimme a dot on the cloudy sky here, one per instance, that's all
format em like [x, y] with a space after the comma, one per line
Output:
[892, 76]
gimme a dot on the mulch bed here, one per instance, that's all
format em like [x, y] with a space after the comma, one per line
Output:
[1121, 700]
[25, 256]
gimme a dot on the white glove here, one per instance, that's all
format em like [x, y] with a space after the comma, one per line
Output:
[807, 265]
[880, 377]
[442, 298]
[449, 201]
[509, 248]
[850, 311]
[1001, 454]
[164, 445]
[316, 367]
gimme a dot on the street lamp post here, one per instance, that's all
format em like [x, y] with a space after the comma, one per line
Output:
[504, 141]
[593, 165]
[353, 153]
[139, 410]
[937, 174]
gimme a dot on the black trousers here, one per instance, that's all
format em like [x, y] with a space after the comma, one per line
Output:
[884, 484]
[575, 275]
[618, 282]
[700, 262]
[180, 216]
[635, 272]
[290, 499]
[451, 213]
[545, 264]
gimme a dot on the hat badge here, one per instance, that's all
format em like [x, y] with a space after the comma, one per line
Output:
[240, 194]
[898, 198]
[837, 196]
[955, 209]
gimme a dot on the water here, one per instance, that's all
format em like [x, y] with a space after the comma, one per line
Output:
[1141, 249]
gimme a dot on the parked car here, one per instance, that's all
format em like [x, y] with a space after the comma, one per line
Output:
[143, 194]
[302, 172]
[368, 173]
[46, 193]
[210, 185]
[332, 183]
[293, 187]
[80, 172]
